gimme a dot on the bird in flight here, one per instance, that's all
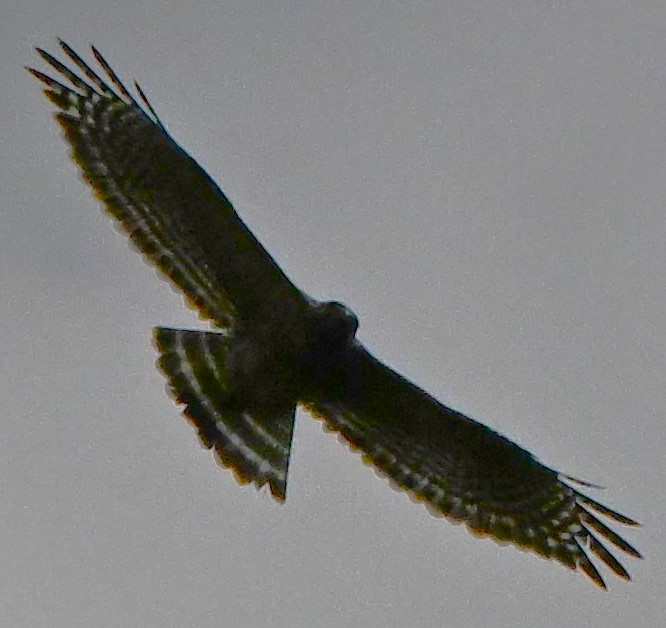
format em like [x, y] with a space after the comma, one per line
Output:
[274, 347]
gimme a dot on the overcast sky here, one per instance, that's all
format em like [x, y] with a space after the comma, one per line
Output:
[482, 183]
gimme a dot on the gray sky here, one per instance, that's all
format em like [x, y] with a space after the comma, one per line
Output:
[483, 183]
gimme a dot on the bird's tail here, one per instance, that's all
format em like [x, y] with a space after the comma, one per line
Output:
[255, 444]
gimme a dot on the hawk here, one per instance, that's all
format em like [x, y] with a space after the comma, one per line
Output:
[274, 347]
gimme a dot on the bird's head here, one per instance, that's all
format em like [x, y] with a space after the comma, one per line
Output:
[336, 324]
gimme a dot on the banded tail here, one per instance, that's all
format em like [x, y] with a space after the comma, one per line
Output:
[254, 443]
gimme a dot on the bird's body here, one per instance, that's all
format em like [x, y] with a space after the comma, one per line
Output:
[274, 348]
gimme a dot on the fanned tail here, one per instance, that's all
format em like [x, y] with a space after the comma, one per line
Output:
[255, 444]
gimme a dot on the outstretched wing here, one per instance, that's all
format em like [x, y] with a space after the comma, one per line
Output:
[170, 208]
[464, 470]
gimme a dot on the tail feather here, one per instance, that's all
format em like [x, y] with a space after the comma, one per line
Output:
[254, 443]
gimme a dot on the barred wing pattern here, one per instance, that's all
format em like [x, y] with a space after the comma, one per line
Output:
[467, 472]
[240, 387]
[171, 209]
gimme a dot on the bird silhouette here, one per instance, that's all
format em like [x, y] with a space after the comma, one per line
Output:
[274, 347]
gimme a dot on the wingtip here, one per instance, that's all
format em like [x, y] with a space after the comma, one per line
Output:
[97, 54]
[581, 482]
[40, 76]
[42, 53]
[47, 80]
[586, 566]
[604, 510]
[99, 58]
[65, 46]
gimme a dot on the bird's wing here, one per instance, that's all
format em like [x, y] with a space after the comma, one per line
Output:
[464, 470]
[167, 204]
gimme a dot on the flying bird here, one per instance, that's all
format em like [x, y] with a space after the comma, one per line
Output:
[274, 347]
